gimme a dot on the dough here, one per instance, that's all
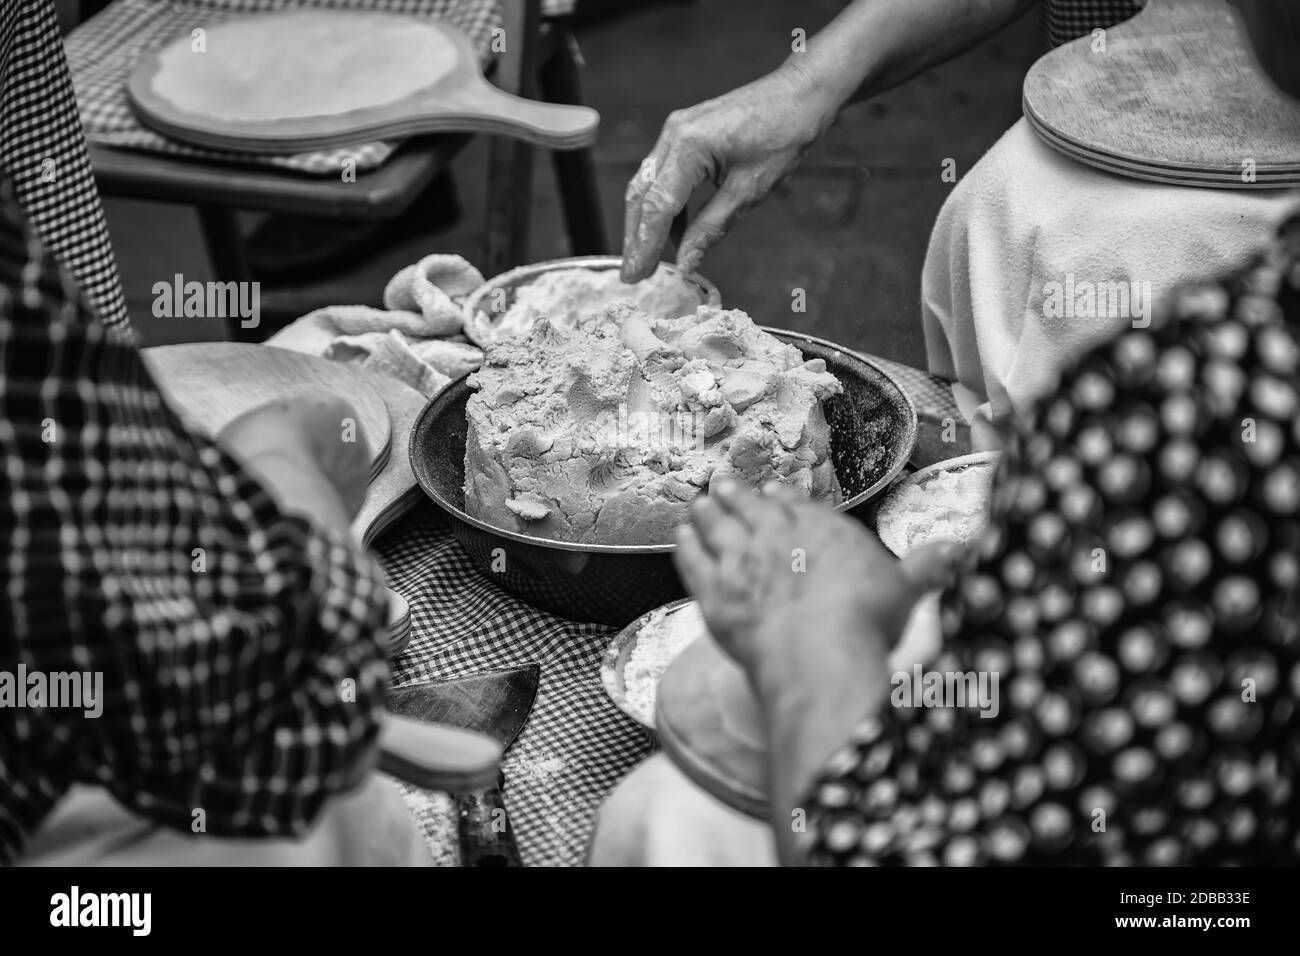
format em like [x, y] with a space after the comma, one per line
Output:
[297, 65]
[604, 432]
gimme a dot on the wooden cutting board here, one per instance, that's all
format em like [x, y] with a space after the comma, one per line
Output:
[212, 383]
[1175, 97]
[393, 491]
[305, 80]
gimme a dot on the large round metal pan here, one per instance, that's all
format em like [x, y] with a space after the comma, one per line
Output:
[873, 431]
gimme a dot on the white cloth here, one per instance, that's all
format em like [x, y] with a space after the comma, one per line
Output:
[1026, 226]
[416, 336]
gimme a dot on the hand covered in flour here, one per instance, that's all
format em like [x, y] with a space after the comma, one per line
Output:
[745, 142]
[309, 452]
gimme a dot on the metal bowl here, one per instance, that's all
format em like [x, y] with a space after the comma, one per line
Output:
[873, 431]
[478, 320]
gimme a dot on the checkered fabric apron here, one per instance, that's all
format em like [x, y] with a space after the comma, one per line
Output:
[103, 51]
[41, 147]
[576, 745]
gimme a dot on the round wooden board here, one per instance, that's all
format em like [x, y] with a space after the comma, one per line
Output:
[709, 726]
[226, 97]
[212, 383]
[1165, 175]
[1175, 97]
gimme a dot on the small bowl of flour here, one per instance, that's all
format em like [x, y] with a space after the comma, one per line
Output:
[946, 501]
[640, 654]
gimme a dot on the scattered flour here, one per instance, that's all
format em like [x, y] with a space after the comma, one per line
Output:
[533, 763]
[435, 815]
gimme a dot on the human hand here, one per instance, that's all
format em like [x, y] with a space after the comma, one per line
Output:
[797, 593]
[808, 602]
[746, 142]
[309, 451]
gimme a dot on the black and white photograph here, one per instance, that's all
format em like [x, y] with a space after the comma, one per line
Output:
[651, 434]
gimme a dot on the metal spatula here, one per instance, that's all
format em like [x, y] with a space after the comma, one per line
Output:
[496, 705]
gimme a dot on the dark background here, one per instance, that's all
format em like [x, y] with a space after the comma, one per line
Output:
[850, 227]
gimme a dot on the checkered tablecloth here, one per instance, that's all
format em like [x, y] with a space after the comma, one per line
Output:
[931, 396]
[103, 51]
[576, 744]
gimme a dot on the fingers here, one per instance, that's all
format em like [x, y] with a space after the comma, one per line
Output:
[633, 198]
[694, 563]
[726, 541]
[719, 530]
[658, 192]
[755, 511]
[710, 226]
[732, 497]
[730, 520]
[663, 200]
[932, 566]
[785, 500]
[782, 493]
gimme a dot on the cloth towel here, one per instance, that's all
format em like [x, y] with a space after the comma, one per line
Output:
[1033, 261]
[415, 338]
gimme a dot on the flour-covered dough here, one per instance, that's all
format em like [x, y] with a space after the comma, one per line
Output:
[605, 431]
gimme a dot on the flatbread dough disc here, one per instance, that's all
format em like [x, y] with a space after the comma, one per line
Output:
[303, 64]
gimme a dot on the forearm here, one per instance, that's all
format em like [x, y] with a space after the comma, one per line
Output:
[875, 45]
[807, 717]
